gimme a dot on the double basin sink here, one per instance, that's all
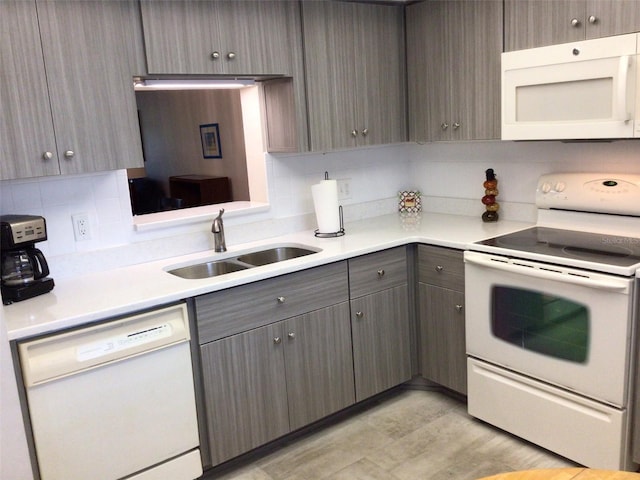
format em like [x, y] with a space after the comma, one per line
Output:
[240, 262]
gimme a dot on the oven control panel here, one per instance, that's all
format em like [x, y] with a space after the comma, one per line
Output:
[590, 192]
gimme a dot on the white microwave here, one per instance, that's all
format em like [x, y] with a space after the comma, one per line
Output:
[572, 91]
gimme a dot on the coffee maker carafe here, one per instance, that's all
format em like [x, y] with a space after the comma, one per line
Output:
[23, 267]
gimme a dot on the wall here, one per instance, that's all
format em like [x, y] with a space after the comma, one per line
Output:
[449, 175]
[448, 171]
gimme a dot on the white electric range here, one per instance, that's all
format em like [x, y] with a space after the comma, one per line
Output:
[551, 319]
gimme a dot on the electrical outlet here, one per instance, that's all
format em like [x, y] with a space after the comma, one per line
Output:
[344, 188]
[81, 227]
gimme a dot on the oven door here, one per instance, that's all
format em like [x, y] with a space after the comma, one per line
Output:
[564, 326]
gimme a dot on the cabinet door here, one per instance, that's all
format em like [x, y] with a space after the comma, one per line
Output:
[221, 37]
[535, 23]
[442, 333]
[354, 60]
[381, 345]
[453, 64]
[380, 76]
[611, 17]
[26, 127]
[475, 43]
[92, 50]
[426, 71]
[245, 391]
[319, 364]
[330, 59]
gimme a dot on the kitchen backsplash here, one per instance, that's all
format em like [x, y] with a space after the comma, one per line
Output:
[449, 175]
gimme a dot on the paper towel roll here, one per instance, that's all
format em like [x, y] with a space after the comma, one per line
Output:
[325, 201]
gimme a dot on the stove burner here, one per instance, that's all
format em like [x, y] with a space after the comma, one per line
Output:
[594, 254]
[518, 242]
[587, 246]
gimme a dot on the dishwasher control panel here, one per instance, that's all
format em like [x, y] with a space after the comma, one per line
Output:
[67, 353]
[122, 342]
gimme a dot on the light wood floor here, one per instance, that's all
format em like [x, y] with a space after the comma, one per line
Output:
[411, 435]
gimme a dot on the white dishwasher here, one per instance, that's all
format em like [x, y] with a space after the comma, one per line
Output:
[114, 400]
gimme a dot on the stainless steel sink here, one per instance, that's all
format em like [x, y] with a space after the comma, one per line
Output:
[214, 268]
[273, 255]
[208, 269]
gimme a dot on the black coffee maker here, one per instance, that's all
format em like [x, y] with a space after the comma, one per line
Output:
[23, 267]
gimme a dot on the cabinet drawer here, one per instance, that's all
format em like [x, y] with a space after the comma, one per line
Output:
[441, 266]
[242, 308]
[377, 271]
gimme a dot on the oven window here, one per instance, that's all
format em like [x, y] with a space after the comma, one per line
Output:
[542, 323]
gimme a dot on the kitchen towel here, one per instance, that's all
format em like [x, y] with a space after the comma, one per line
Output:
[325, 201]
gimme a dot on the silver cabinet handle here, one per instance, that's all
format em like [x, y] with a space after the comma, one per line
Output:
[444, 126]
[456, 125]
[280, 299]
[365, 132]
[439, 268]
[575, 22]
[381, 273]
[593, 19]
[354, 133]
[359, 314]
[459, 308]
[277, 340]
[291, 335]
[47, 155]
[215, 55]
[231, 55]
[69, 154]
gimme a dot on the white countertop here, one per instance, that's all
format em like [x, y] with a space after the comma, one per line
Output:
[98, 296]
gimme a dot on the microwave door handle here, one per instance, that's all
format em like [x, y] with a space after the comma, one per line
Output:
[528, 269]
[623, 69]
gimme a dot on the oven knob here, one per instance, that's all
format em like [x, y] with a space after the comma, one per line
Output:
[545, 187]
[560, 186]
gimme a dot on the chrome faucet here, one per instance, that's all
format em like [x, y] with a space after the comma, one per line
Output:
[218, 233]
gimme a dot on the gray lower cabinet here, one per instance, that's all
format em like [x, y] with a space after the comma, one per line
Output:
[453, 69]
[276, 355]
[535, 23]
[245, 391]
[380, 321]
[441, 317]
[355, 74]
[67, 98]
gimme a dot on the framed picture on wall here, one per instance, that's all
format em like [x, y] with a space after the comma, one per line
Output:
[210, 137]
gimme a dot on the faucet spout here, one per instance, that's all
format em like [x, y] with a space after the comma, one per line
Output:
[217, 228]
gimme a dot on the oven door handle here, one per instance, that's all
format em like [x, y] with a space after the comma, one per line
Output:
[559, 274]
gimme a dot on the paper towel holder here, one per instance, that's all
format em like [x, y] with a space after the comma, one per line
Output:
[339, 233]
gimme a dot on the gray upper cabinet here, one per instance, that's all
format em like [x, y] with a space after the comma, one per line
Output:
[66, 88]
[26, 129]
[536, 23]
[453, 69]
[221, 36]
[355, 74]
